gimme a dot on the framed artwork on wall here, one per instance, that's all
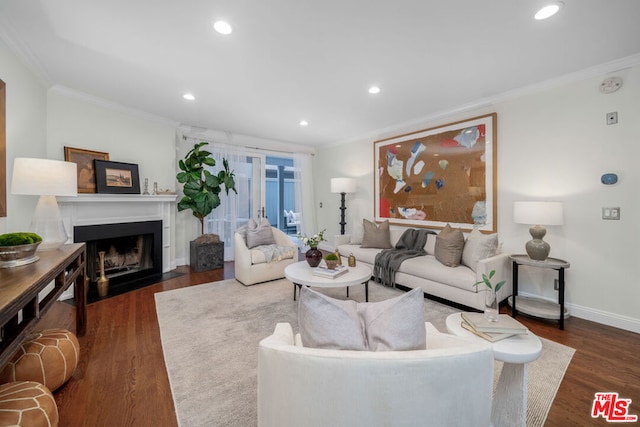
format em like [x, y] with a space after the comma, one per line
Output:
[86, 169]
[117, 177]
[439, 176]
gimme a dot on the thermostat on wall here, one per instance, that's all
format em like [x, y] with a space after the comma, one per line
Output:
[609, 178]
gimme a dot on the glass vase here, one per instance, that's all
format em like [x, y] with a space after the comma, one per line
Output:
[491, 306]
[313, 256]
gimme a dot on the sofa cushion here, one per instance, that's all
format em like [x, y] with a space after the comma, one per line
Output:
[259, 234]
[429, 268]
[449, 246]
[330, 323]
[357, 234]
[477, 247]
[395, 324]
[376, 236]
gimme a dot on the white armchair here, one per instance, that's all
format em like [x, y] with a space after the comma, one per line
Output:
[448, 384]
[250, 264]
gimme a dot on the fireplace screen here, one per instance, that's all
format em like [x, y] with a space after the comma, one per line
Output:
[132, 250]
[125, 255]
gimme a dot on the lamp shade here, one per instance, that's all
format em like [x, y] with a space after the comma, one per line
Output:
[540, 213]
[44, 177]
[343, 185]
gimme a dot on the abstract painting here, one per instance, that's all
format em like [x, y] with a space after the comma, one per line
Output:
[439, 176]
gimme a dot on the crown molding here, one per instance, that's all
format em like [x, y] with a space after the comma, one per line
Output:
[23, 52]
[101, 102]
[488, 102]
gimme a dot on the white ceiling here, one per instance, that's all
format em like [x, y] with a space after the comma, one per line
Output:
[289, 60]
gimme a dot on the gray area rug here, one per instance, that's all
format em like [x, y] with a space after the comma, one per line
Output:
[210, 335]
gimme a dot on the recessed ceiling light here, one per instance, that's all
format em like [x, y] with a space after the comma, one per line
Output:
[304, 123]
[548, 11]
[222, 27]
[189, 96]
[374, 89]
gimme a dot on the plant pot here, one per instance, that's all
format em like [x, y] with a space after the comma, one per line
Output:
[331, 263]
[206, 256]
[313, 256]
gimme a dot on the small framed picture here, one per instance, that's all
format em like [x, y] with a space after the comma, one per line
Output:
[86, 170]
[117, 177]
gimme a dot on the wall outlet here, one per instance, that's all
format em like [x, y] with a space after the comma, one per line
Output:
[612, 118]
[611, 213]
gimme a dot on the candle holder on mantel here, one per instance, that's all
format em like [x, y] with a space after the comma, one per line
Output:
[103, 282]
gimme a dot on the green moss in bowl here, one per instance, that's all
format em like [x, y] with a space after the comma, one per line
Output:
[17, 239]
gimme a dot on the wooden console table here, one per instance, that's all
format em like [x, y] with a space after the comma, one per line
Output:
[20, 286]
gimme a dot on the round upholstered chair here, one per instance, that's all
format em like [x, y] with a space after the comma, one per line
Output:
[27, 403]
[48, 357]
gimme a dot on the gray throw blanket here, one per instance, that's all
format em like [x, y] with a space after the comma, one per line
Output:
[410, 245]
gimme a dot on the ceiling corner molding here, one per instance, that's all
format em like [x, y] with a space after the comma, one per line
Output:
[19, 48]
[485, 103]
[105, 103]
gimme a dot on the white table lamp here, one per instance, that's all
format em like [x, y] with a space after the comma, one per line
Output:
[47, 179]
[343, 186]
[538, 214]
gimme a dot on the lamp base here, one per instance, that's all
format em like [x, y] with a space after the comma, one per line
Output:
[537, 249]
[47, 223]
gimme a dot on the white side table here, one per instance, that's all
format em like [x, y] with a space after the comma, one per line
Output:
[537, 306]
[510, 400]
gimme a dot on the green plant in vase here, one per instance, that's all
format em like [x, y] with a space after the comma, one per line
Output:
[201, 190]
[491, 297]
[332, 260]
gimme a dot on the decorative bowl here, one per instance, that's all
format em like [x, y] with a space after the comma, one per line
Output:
[13, 256]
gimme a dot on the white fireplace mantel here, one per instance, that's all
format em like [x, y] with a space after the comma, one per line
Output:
[95, 209]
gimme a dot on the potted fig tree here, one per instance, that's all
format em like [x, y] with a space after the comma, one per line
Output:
[201, 190]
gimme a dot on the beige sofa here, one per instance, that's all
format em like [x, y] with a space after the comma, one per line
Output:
[450, 283]
[448, 384]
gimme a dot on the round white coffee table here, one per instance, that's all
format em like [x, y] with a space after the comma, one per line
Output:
[510, 400]
[300, 274]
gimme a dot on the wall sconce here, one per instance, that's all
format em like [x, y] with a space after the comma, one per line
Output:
[47, 179]
[343, 186]
[538, 214]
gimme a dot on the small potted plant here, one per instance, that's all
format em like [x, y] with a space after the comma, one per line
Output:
[491, 297]
[332, 261]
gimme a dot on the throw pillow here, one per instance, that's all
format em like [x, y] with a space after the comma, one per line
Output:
[376, 236]
[326, 322]
[396, 324]
[477, 247]
[449, 246]
[357, 234]
[258, 235]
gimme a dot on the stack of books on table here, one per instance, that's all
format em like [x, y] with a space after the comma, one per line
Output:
[506, 327]
[330, 274]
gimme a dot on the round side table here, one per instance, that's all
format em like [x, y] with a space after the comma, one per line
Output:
[510, 400]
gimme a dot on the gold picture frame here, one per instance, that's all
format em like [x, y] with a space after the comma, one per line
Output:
[439, 176]
[86, 167]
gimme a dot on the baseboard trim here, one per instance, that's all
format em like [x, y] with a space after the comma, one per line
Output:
[599, 316]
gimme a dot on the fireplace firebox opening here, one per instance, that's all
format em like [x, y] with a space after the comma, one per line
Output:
[133, 250]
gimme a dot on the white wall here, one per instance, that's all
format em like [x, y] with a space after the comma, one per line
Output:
[79, 121]
[26, 132]
[553, 144]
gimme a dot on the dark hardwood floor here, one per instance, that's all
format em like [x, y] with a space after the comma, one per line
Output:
[121, 379]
